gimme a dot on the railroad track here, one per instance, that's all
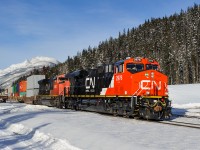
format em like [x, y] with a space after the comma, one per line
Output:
[182, 124]
[186, 116]
[170, 122]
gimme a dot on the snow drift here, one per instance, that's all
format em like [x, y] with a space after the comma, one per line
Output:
[184, 93]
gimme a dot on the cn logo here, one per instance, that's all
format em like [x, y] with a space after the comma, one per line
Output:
[90, 83]
[148, 84]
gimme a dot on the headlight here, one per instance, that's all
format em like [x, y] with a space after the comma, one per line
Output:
[152, 74]
[147, 92]
[154, 100]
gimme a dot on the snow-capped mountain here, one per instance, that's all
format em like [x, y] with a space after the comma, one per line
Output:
[15, 71]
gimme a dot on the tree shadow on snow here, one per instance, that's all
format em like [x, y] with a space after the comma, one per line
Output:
[28, 115]
[17, 138]
[178, 112]
[13, 138]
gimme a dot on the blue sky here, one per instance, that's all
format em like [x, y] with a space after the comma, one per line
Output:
[61, 28]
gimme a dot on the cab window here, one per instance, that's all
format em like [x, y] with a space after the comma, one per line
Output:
[133, 68]
[151, 67]
[119, 69]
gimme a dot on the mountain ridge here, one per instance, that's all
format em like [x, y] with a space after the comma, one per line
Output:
[15, 71]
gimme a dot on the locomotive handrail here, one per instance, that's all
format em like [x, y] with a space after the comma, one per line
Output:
[132, 101]
[138, 90]
[62, 92]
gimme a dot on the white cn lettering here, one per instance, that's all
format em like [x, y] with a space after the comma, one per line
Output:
[144, 86]
[148, 84]
[154, 83]
[91, 83]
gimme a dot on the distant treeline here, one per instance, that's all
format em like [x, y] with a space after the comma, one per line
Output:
[174, 41]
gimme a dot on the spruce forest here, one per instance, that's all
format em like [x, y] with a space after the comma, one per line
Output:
[173, 41]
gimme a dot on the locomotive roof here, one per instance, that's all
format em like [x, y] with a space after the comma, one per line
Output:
[77, 73]
[119, 62]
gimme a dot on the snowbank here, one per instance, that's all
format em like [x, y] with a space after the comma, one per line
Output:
[24, 136]
[184, 94]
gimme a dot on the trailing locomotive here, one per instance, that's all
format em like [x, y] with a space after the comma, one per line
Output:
[131, 87]
[52, 90]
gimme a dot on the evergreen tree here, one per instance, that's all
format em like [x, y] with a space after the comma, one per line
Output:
[174, 41]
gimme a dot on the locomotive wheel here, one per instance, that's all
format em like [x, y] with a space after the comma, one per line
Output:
[125, 114]
[115, 112]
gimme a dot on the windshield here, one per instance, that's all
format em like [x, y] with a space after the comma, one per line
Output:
[135, 67]
[151, 67]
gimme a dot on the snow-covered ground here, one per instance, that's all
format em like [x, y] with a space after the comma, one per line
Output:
[38, 127]
[185, 99]
[184, 93]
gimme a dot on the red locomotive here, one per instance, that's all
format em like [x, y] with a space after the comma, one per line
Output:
[131, 87]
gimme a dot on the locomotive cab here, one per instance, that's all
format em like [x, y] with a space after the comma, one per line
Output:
[139, 77]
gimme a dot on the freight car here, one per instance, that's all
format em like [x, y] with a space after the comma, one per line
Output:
[131, 87]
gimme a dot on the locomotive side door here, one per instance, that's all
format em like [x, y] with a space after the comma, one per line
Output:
[119, 79]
